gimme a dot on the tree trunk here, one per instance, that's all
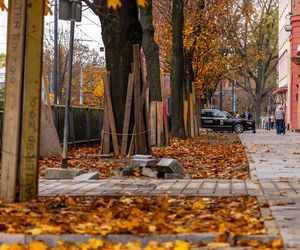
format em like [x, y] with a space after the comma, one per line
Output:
[120, 30]
[177, 74]
[151, 51]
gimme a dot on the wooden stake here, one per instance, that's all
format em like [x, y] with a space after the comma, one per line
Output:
[32, 100]
[137, 96]
[13, 99]
[127, 114]
[196, 126]
[153, 124]
[160, 124]
[105, 133]
[111, 114]
[185, 115]
[192, 116]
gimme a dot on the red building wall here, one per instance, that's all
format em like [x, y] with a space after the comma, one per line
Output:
[295, 79]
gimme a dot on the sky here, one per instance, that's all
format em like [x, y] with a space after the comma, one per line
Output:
[88, 30]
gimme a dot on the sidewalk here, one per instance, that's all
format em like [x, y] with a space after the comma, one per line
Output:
[275, 171]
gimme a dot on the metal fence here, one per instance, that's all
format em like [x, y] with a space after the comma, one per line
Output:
[85, 123]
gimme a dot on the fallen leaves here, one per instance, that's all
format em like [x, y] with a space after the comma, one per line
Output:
[140, 216]
[209, 156]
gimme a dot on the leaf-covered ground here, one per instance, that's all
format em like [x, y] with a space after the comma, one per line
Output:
[140, 216]
[98, 244]
[211, 155]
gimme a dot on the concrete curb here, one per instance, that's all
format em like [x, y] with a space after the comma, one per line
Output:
[51, 240]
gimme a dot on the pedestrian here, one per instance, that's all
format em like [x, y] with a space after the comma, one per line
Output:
[279, 116]
[272, 118]
[247, 115]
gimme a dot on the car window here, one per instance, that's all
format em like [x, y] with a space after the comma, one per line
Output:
[207, 114]
[219, 114]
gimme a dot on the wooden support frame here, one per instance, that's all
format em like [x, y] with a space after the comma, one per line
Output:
[20, 150]
[111, 114]
[127, 114]
[13, 99]
[32, 100]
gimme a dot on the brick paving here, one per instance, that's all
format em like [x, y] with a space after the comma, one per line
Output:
[274, 162]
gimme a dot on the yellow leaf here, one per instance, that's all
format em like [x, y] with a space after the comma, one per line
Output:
[16, 246]
[198, 205]
[70, 201]
[4, 247]
[95, 243]
[181, 245]
[113, 4]
[142, 3]
[34, 231]
[2, 5]
[277, 243]
[37, 245]
[213, 245]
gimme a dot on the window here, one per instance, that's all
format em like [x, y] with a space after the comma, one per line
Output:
[207, 114]
[219, 114]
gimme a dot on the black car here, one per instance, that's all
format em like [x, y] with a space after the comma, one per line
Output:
[223, 121]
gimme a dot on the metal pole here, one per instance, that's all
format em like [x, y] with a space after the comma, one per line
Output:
[233, 97]
[68, 91]
[80, 87]
[55, 65]
[221, 95]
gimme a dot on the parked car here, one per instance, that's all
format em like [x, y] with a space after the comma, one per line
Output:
[222, 121]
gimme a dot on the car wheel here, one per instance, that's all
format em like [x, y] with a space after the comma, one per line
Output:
[238, 128]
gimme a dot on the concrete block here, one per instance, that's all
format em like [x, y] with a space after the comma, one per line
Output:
[87, 176]
[149, 172]
[59, 173]
[170, 166]
[142, 157]
[139, 161]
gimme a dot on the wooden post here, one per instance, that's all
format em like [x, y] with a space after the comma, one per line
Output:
[13, 99]
[127, 114]
[111, 114]
[196, 126]
[160, 124]
[153, 127]
[137, 96]
[105, 140]
[32, 100]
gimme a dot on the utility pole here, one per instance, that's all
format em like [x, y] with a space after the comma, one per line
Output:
[80, 87]
[69, 81]
[55, 64]
[233, 98]
[221, 95]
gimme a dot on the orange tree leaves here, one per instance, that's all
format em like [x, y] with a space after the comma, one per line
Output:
[142, 215]
[118, 3]
[46, 11]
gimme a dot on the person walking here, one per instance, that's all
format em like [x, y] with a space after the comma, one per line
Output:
[279, 116]
[272, 121]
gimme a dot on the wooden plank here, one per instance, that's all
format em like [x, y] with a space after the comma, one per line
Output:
[185, 115]
[153, 124]
[30, 137]
[13, 99]
[196, 127]
[166, 131]
[144, 124]
[137, 96]
[105, 147]
[192, 116]
[127, 114]
[160, 124]
[131, 146]
[111, 114]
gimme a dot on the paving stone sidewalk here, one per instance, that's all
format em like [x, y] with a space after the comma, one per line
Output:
[275, 172]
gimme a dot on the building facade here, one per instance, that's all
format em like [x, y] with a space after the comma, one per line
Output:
[295, 69]
[282, 96]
